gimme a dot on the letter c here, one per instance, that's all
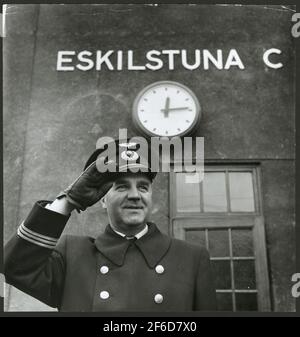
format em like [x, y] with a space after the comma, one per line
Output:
[268, 62]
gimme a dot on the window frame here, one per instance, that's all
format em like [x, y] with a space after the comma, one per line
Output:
[221, 168]
[223, 220]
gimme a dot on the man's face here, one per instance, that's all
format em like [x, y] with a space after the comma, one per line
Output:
[129, 202]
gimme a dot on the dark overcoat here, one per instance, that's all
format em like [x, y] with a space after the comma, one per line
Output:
[109, 273]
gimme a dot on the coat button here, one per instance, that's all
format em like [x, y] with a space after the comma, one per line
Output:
[104, 295]
[159, 269]
[158, 298]
[104, 270]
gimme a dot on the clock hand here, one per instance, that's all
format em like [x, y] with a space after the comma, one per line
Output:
[172, 109]
[166, 109]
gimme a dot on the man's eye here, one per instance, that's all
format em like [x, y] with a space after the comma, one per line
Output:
[121, 188]
[144, 188]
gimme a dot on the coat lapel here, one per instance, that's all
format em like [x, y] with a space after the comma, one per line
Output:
[112, 246]
[153, 245]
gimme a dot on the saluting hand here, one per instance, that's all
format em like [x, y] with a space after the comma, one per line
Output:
[88, 188]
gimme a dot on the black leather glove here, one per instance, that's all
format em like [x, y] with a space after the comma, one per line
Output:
[88, 188]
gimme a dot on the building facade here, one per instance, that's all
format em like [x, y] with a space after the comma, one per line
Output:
[54, 114]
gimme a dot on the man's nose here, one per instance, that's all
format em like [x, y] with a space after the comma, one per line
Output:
[134, 193]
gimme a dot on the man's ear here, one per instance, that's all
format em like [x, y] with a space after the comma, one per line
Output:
[103, 202]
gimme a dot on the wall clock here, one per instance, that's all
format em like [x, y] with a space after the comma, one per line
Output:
[166, 108]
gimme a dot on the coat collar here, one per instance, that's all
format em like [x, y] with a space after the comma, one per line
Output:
[153, 245]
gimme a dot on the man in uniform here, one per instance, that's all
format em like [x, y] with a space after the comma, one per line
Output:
[132, 266]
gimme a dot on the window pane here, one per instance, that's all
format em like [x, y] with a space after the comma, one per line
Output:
[187, 194]
[246, 302]
[218, 243]
[224, 302]
[242, 242]
[214, 192]
[241, 192]
[196, 237]
[221, 274]
[244, 274]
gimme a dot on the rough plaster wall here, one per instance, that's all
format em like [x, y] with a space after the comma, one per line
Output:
[18, 58]
[54, 119]
[278, 186]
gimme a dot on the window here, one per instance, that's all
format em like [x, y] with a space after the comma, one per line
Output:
[222, 191]
[224, 213]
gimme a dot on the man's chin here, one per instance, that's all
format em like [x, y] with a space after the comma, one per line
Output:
[134, 221]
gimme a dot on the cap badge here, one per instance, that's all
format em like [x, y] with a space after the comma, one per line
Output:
[129, 155]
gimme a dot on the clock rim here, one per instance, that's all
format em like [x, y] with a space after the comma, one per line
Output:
[141, 127]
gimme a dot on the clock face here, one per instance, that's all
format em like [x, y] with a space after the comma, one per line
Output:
[166, 109]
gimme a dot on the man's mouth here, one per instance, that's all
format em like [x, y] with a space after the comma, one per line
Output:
[132, 207]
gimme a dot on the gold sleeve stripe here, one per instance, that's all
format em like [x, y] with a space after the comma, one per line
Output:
[38, 235]
[36, 238]
[34, 241]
